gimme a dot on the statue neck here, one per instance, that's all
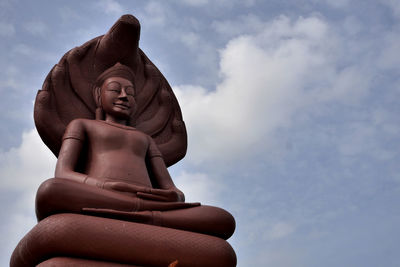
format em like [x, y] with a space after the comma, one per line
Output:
[115, 120]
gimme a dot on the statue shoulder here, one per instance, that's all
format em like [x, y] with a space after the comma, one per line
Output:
[79, 123]
[82, 125]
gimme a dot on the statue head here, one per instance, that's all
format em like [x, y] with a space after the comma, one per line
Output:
[73, 89]
[114, 93]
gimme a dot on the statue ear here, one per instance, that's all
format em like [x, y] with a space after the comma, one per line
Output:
[97, 96]
[99, 114]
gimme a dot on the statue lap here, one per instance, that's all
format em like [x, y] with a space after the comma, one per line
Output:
[85, 199]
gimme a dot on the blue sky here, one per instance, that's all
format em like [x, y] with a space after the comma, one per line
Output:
[292, 110]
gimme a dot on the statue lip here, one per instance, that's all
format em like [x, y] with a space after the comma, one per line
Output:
[122, 105]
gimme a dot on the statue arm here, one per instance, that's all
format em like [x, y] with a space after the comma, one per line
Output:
[160, 175]
[71, 148]
[162, 178]
[68, 159]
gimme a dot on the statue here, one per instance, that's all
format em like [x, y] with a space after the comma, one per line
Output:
[114, 123]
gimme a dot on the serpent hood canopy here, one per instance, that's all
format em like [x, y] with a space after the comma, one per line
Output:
[67, 91]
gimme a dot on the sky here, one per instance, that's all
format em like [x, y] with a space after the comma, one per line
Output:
[292, 111]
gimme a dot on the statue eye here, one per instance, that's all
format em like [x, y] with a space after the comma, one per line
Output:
[130, 91]
[114, 87]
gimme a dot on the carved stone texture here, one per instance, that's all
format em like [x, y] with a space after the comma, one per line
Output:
[115, 124]
[78, 236]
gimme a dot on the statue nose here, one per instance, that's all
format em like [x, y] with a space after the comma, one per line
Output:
[123, 94]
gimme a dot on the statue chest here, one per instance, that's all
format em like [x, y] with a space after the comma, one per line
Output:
[110, 139]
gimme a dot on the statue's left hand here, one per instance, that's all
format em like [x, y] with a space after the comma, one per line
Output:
[168, 195]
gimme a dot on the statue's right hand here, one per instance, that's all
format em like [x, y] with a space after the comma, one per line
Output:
[167, 195]
[94, 181]
[125, 187]
[116, 185]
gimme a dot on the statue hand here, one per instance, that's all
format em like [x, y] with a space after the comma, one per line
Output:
[125, 187]
[168, 195]
[92, 181]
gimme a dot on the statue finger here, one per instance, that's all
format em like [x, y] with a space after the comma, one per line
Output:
[151, 196]
[183, 205]
[121, 186]
[114, 186]
[109, 185]
[164, 192]
[171, 195]
[137, 188]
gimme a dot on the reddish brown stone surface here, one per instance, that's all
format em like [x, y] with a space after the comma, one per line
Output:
[113, 121]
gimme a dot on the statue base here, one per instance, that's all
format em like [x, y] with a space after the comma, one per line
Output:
[117, 242]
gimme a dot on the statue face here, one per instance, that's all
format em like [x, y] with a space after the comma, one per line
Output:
[117, 97]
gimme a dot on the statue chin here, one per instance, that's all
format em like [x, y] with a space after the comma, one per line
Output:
[112, 201]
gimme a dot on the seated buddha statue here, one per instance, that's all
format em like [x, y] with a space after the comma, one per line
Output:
[124, 175]
[111, 118]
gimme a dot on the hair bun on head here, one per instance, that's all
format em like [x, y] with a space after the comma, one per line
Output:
[118, 70]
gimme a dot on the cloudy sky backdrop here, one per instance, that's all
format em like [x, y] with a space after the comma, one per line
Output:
[292, 110]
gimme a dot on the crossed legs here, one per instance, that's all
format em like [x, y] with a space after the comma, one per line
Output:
[59, 195]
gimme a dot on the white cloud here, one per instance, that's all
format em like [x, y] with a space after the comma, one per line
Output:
[359, 139]
[282, 257]
[335, 4]
[156, 14]
[7, 3]
[10, 78]
[68, 14]
[247, 24]
[13, 229]
[182, 33]
[22, 170]
[278, 230]
[221, 4]
[198, 187]
[6, 29]
[267, 77]
[352, 25]
[25, 167]
[23, 49]
[196, 3]
[191, 39]
[36, 27]
[393, 6]
[34, 53]
[110, 7]
[205, 53]
[389, 51]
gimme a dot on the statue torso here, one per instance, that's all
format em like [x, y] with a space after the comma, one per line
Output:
[116, 152]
